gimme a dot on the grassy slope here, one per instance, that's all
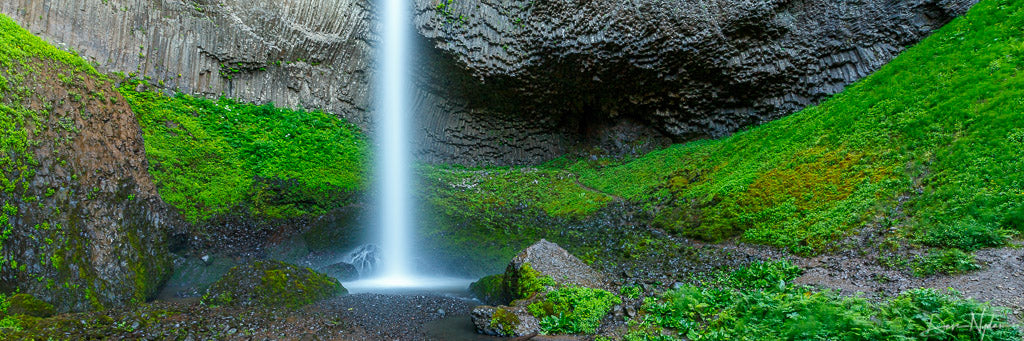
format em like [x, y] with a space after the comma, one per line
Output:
[940, 127]
[213, 157]
[760, 302]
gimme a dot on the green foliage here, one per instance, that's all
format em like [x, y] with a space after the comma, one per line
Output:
[7, 323]
[949, 261]
[213, 157]
[761, 275]
[631, 291]
[940, 123]
[799, 313]
[573, 310]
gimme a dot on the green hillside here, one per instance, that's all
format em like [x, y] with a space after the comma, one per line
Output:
[929, 150]
[213, 157]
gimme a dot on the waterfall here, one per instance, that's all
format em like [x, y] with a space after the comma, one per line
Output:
[394, 202]
[393, 110]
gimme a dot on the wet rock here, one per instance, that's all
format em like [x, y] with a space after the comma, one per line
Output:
[271, 283]
[365, 258]
[504, 321]
[25, 304]
[491, 290]
[342, 271]
[542, 264]
[549, 259]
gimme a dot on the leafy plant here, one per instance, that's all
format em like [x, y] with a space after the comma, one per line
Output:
[572, 310]
[224, 157]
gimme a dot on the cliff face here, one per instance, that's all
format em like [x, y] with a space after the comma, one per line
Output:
[510, 81]
[82, 226]
[687, 69]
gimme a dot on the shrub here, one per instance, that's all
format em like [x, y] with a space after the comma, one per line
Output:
[572, 310]
[950, 261]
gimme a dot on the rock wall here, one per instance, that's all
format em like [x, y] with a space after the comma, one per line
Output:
[690, 69]
[509, 81]
[82, 226]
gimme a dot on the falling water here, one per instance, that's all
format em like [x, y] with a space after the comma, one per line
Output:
[394, 163]
[393, 167]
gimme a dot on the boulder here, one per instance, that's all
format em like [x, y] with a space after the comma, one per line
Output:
[342, 271]
[543, 264]
[81, 223]
[537, 270]
[504, 321]
[271, 284]
[25, 304]
[548, 259]
[491, 290]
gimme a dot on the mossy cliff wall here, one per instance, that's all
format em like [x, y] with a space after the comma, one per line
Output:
[82, 226]
[509, 82]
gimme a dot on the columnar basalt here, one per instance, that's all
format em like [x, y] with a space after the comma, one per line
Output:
[505, 82]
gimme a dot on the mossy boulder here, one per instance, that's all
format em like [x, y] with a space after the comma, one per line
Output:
[544, 288]
[25, 304]
[542, 265]
[271, 284]
[491, 290]
[341, 270]
[504, 321]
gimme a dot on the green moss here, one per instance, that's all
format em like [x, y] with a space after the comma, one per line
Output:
[25, 304]
[528, 282]
[18, 48]
[223, 157]
[491, 289]
[504, 322]
[271, 284]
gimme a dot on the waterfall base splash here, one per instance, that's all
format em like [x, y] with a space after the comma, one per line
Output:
[410, 285]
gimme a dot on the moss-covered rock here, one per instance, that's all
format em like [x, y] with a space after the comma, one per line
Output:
[491, 290]
[81, 223]
[25, 304]
[272, 284]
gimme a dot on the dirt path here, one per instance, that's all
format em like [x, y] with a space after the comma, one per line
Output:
[1000, 281]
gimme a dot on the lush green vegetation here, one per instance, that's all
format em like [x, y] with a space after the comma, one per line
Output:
[215, 157]
[930, 148]
[751, 307]
[573, 310]
[7, 323]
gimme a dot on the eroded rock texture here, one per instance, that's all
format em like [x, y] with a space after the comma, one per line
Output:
[510, 81]
[82, 225]
[688, 69]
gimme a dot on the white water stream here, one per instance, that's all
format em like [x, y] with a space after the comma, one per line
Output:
[394, 202]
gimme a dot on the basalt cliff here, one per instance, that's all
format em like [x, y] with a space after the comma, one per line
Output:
[509, 82]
